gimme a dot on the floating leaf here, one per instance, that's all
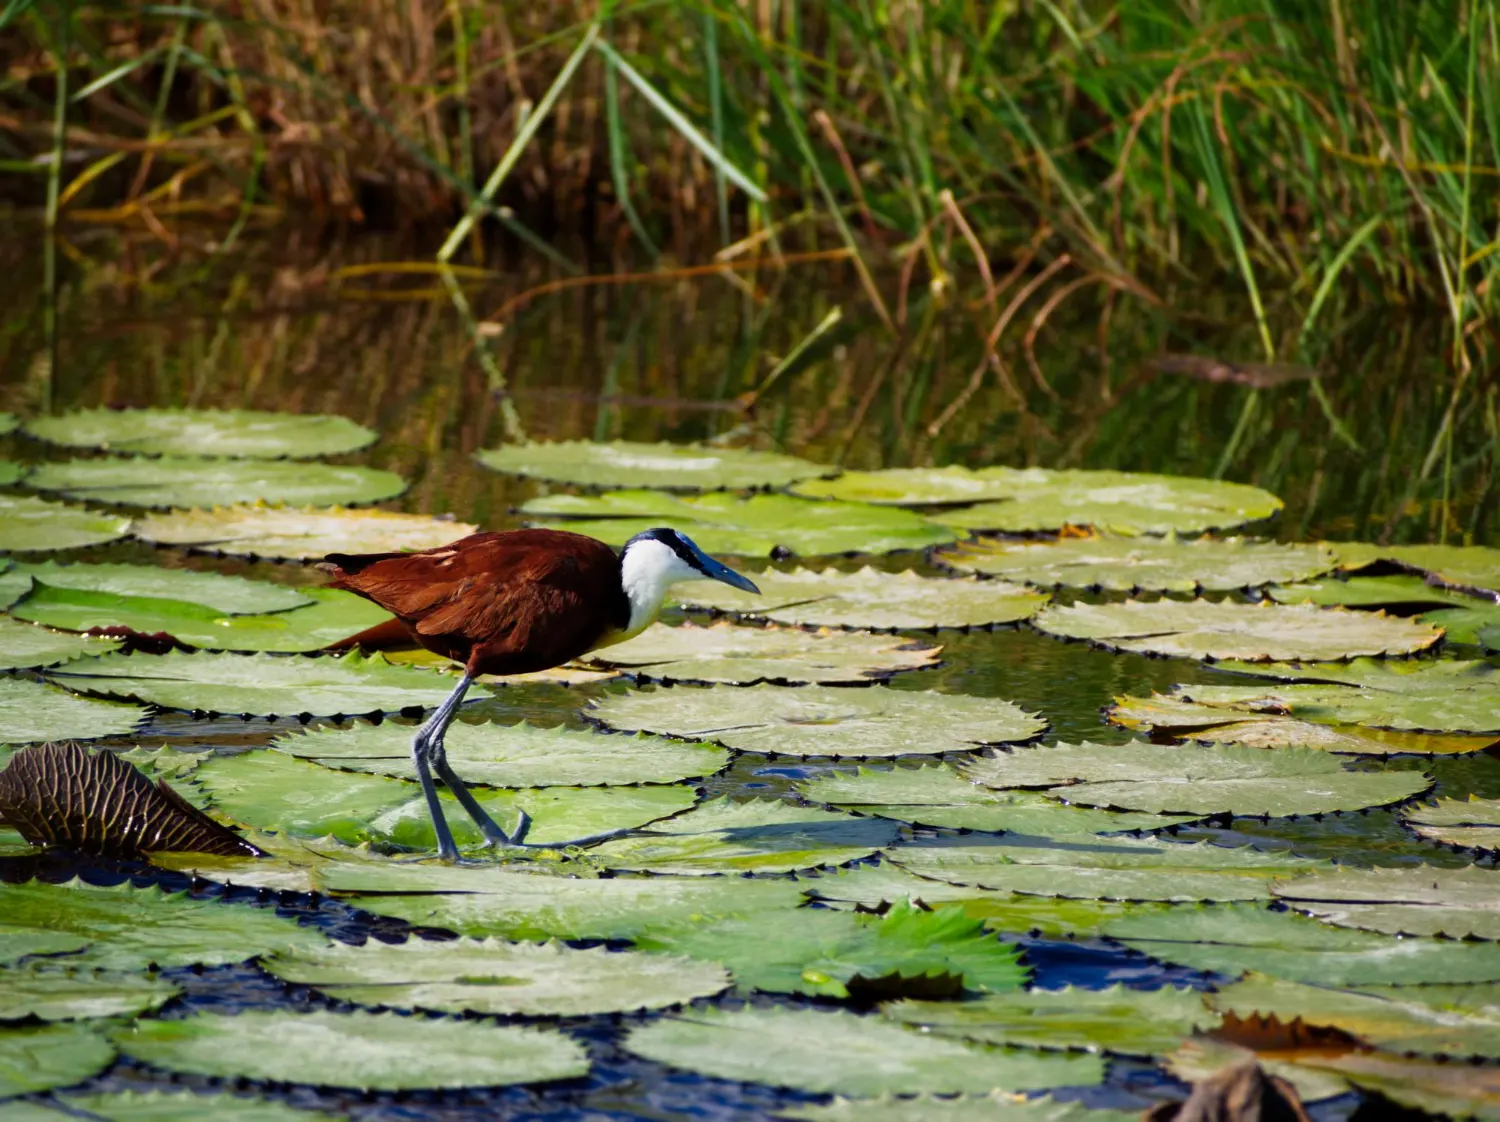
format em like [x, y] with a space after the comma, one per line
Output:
[189, 481]
[1420, 900]
[39, 1057]
[759, 836]
[226, 595]
[995, 1107]
[23, 941]
[1206, 629]
[292, 534]
[180, 1106]
[758, 526]
[490, 976]
[1472, 823]
[1196, 779]
[1436, 1086]
[1140, 564]
[369, 1051]
[131, 928]
[672, 467]
[835, 1051]
[29, 524]
[52, 994]
[1232, 938]
[31, 712]
[203, 432]
[912, 486]
[868, 600]
[1096, 868]
[1126, 1021]
[1476, 626]
[1407, 592]
[939, 796]
[1460, 566]
[23, 646]
[522, 755]
[827, 953]
[262, 685]
[816, 721]
[729, 655]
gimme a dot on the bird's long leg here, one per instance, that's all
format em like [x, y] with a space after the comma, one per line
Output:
[424, 746]
[437, 757]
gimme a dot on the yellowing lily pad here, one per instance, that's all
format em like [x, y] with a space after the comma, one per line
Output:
[1471, 823]
[203, 432]
[291, 534]
[672, 467]
[32, 525]
[183, 481]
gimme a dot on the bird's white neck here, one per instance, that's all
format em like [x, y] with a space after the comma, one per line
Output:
[647, 570]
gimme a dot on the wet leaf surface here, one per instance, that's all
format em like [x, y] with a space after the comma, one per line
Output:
[183, 481]
[290, 533]
[24, 646]
[671, 467]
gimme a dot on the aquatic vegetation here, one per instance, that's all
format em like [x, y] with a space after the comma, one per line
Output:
[32, 525]
[286, 533]
[671, 467]
[39, 1057]
[24, 646]
[203, 432]
[1458, 903]
[68, 994]
[184, 481]
[31, 712]
[1471, 823]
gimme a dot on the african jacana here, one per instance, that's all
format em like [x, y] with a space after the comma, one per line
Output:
[515, 602]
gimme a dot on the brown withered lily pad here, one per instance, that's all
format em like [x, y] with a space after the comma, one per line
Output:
[61, 794]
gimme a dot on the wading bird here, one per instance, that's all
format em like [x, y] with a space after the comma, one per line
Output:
[514, 602]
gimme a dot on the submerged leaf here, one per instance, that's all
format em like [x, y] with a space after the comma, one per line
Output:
[1472, 823]
[39, 1057]
[671, 467]
[186, 481]
[820, 721]
[1420, 900]
[29, 524]
[203, 432]
[52, 994]
[31, 712]
[24, 646]
[293, 534]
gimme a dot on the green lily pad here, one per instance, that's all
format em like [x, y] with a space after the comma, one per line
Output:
[1224, 630]
[517, 904]
[329, 615]
[189, 481]
[671, 467]
[52, 994]
[728, 655]
[522, 755]
[817, 721]
[39, 1057]
[226, 595]
[868, 600]
[272, 791]
[31, 712]
[839, 1052]
[1232, 938]
[180, 1106]
[23, 646]
[758, 526]
[1404, 591]
[829, 953]
[203, 432]
[995, 1107]
[131, 928]
[1096, 868]
[1125, 1021]
[913, 486]
[1419, 900]
[1459, 566]
[759, 836]
[1472, 823]
[290, 534]
[29, 524]
[262, 685]
[369, 1051]
[20, 942]
[490, 976]
[1196, 779]
[1477, 626]
[1140, 564]
[939, 796]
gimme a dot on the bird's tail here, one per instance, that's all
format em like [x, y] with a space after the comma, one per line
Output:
[392, 635]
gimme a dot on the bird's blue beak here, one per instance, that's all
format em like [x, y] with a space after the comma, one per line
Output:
[715, 571]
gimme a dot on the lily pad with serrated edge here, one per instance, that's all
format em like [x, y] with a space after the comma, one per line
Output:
[725, 654]
[286, 533]
[51, 993]
[368, 1051]
[1458, 566]
[24, 645]
[272, 791]
[912, 486]
[224, 594]
[190, 481]
[32, 525]
[1232, 938]
[329, 616]
[236, 433]
[131, 928]
[828, 953]
[822, 721]
[995, 1107]
[1229, 724]
[868, 600]
[491, 976]
[1406, 591]
[1140, 564]
[1471, 823]
[39, 1057]
[31, 712]
[261, 685]
[1417, 900]
[758, 526]
[1196, 779]
[180, 1106]
[522, 755]
[1226, 630]
[758, 836]
[1125, 1021]
[835, 1051]
[670, 467]
[1097, 868]
[939, 796]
